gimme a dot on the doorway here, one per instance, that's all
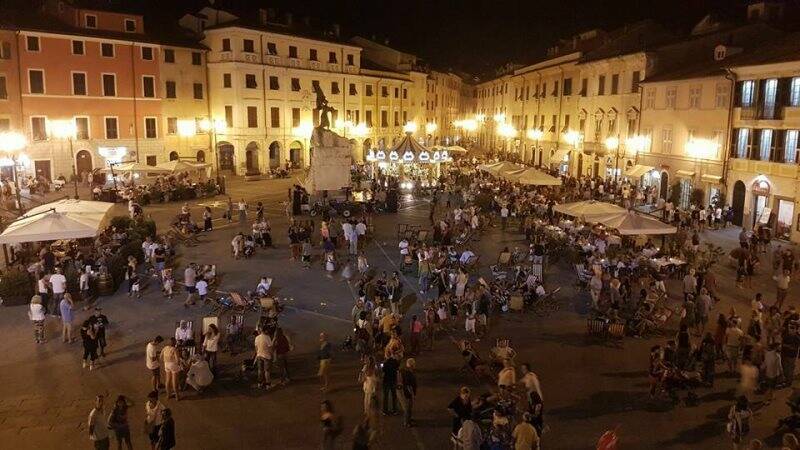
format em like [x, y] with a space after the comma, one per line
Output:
[42, 168]
[225, 156]
[251, 158]
[785, 215]
[760, 208]
[737, 203]
[296, 154]
[664, 187]
[83, 163]
[580, 164]
[274, 155]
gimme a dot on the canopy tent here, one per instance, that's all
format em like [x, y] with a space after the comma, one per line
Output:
[65, 219]
[135, 167]
[486, 167]
[456, 149]
[532, 177]
[631, 223]
[638, 170]
[503, 167]
[182, 166]
[588, 208]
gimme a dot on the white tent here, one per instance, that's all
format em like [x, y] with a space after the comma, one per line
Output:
[456, 149]
[503, 167]
[532, 177]
[632, 224]
[182, 166]
[486, 167]
[588, 208]
[134, 167]
[66, 219]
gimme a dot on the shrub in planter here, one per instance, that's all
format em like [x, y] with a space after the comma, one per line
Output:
[16, 287]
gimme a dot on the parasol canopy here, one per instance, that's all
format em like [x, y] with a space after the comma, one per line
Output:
[503, 167]
[486, 167]
[630, 223]
[456, 149]
[134, 167]
[532, 177]
[64, 219]
[181, 166]
[588, 208]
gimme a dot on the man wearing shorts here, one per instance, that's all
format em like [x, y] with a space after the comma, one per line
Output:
[151, 361]
[189, 279]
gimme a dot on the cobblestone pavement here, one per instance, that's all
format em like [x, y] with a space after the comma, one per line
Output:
[45, 395]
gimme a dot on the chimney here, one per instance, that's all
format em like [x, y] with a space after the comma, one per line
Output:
[288, 18]
[337, 30]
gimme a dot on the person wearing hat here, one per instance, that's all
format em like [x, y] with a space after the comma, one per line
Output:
[37, 316]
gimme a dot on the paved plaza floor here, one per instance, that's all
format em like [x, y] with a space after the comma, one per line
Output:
[588, 386]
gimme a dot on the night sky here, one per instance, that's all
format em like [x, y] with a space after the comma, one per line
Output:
[474, 36]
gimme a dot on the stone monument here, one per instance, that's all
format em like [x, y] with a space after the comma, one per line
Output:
[330, 153]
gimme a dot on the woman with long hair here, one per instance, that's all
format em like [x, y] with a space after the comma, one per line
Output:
[210, 343]
[172, 367]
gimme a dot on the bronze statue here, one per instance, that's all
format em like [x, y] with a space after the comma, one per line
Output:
[323, 108]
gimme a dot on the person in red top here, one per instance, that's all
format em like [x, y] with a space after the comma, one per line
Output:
[416, 331]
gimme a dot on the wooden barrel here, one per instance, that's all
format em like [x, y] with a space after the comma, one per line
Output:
[105, 284]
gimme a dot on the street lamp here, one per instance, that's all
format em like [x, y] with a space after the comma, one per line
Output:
[11, 142]
[507, 131]
[573, 138]
[536, 135]
[612, 144]
[66, 129]
[411, 127]
[638, 143]
[212, 127]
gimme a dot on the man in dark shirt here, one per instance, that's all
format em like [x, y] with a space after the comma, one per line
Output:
[99, 321]
[790, 345]
[408, 381]
[390, 369]
[460, 408]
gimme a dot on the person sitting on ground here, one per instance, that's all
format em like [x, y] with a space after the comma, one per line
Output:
[263, 286]
[199, 375]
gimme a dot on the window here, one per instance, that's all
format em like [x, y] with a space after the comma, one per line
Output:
[79, 83]
[694, 97]
[748, 94]
[615, 84]
[636, 78]
[567, 90]
[584, 86]
[721, 96]
[332, 58]
[38, 128]
[248, 46]
[77, 48]
[147, 53]
[335, 88]
[368, 91]
[671, 94]
[405, 93]
[109, 85]
[172, 126]
[295, 117]
[666, 140]
[5, 50]
[229, 116]
[130, 25]
[601, 85]
[368, 117]
[765, 145]
[252, 117]
[350, 60]
[272, 49]
[631, 126]
[226, 80]
[35, 81]
[112, 131]
[3, 88]
[197, 89]
[312, 54]
[650, 98]
[275, 117]
[250, 81]
[152, 160]
[169, 55]
[544, 90]
[292, 51]
[82, 128]
[273, 83]
[296, 84]
[150, 130]
[197, 58]
[353, 90]
[397, 118]
[384, 91]
[170, 89]
[790, 147]
[90, 21]
[148, 86]
[770, 94]
[742, 142]
[384, 118]
[794, 92]
[32, 43]
[405, 116]
[107, 50]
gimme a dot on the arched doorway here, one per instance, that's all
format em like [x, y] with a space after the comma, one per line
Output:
[83, 162]
[541, 152]
[173, 156]
[251, 158]
[737, 203]
[274, 155]
[225, 158]
[296, 154]
[201, 156]
[596, 167]
[365, 148]
[664, 188]
[580, 164]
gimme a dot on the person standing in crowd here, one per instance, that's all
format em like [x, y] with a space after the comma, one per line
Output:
[66, 307]
[470, 435]
[242, 207]
[211, 344]
[324, 354]
[331, 425]
[461, 409]
[739, 422]
[415, 334]
[207, 224]
[89, 339]
[190, 281]
[153, 417]
[264, 352]
[525, 435]
[97, 426]
[172, 367]
[118, 421]
[58, 283]
[166, 432]
[36, 314]
[790, 347]
[152, 362]
[99, 322]
[389, 369]
[282, 348]
[781, 286]
[408, 384]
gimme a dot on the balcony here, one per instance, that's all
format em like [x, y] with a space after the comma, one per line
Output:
[273, 60]
[766, 168]
[314, 65]
[334, 67]
[759, 112]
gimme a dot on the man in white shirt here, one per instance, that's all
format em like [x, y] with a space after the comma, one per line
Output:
[151, 361]
[466, 256]
[58, 282]
[183, 334]
[202, 289]
[503, 217]
[199, 375]
[347, 229]
[353, 240]
[264, 353]
[361, 229]
[97, 425]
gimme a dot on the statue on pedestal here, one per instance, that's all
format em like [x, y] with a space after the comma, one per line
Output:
[323, 109]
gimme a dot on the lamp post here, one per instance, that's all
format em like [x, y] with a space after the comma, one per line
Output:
[612, 145]
[430, 128]
[66, 129]
[507, 131]
[212, 127]
[536, 135]
[573, 138]
[11, 142]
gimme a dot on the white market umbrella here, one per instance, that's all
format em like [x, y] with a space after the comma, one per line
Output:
[72, 206]
[52, 226]
[532, 177]
[456, 149]
[588, 208]
[631, 224]
[486, 167]
[503, 167]
[182, 166]
[134, 167]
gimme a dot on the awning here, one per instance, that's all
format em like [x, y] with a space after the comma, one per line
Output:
[684, 174]
[713, 179]
[559, 155]
[638, 170]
